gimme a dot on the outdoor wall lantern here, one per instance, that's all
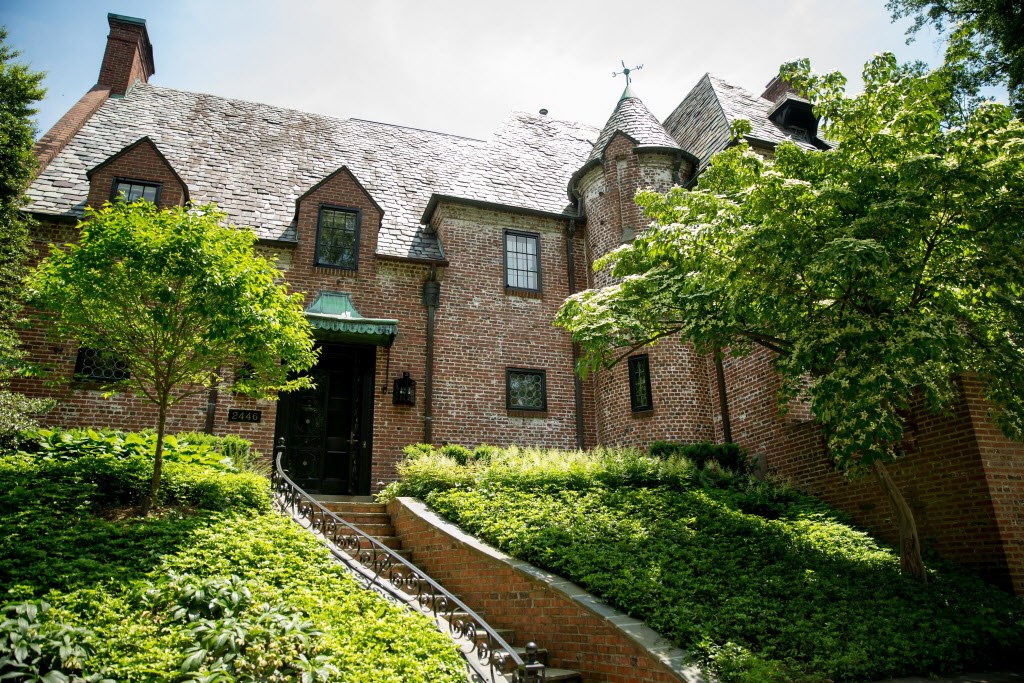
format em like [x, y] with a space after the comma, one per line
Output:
[404, 392]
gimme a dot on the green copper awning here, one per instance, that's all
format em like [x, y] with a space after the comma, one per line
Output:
[334, 318]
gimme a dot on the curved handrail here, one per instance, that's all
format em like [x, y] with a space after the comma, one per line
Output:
[488, 658]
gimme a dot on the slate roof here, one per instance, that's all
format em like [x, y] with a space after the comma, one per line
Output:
[527, 163]
[633, 118]
[254, 160]
[701, 123]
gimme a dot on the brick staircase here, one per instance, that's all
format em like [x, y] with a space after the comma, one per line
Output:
[373, 520]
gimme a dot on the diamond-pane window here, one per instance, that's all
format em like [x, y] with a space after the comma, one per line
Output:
[640, 383]
[337, 238]
[96, 365]
[522, 261]
[525, 390]
[134, 190]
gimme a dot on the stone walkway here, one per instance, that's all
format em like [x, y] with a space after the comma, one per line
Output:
[1006, 677]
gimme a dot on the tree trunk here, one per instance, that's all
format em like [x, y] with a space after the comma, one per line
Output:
[158, 461]
[910, 544]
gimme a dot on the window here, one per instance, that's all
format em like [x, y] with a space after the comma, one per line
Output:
[525, 390]
[522, 261]
[134, 190]
[95, 365]
[337, 237]
[640, 384]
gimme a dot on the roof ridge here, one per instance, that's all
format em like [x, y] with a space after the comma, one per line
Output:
[279, 108]
[422, 130]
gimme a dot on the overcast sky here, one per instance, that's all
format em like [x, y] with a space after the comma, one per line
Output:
[454, 66]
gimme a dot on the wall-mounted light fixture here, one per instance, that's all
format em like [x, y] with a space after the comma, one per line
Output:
[404, 391]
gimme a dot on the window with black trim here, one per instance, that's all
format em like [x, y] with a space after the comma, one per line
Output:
[134, 190]
[522, 261]
[525, 389]
[640, 384]
[97, 365]
[337, 237]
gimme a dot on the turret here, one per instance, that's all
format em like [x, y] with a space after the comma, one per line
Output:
[633, 152]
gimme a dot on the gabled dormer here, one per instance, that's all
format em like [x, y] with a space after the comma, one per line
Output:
[138, 171]
[794, 114]
[337, 223]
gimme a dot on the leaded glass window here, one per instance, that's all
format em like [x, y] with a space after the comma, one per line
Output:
[640, 383]
[522, 261]
[96, 365]
[337, 238]
[525, 390]
[134, 190]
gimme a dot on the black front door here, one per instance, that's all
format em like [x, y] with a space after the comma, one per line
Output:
[328, 429]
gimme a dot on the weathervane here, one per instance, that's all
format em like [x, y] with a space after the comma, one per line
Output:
[626, 71]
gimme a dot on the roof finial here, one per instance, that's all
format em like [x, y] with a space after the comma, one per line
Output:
[626, 71]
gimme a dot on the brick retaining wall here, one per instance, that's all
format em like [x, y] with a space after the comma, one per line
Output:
[580, 631]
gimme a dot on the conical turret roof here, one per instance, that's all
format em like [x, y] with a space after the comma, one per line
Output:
[631, 117]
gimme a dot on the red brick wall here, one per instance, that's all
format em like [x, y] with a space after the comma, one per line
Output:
[55, 139]
[1003, 463]
[679, 394]
[575, 637]
[679, 377]
[141, 162]
[948, 482]
[123, 60]
[482, 330]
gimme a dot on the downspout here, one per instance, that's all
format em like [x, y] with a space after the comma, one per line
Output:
[570, 259]
[723, 399]
[431, 299]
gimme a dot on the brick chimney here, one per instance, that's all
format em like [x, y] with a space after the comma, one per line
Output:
[129, 54]
[777, 89]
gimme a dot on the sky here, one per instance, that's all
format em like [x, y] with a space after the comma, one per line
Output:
[452, 65]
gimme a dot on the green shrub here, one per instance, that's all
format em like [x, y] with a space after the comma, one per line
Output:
[32, 648]
[213, 452]
[763, 583]
[238, 450]
[729, 455]
[194, 595]
[459, 454]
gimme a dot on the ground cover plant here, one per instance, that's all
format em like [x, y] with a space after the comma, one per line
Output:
[760, 582]
[214, 586]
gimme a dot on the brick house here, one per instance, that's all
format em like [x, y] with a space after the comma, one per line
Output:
[442, 260]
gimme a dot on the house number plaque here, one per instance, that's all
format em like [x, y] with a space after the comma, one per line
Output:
[235, 415]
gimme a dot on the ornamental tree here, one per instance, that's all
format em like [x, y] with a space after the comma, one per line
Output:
[20, 89]
[875, 272]
[175, 296]
[985, 41]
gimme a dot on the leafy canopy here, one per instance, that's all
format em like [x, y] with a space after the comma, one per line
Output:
[986, 40]
[882, 267]
[175, 295]
[20, 89]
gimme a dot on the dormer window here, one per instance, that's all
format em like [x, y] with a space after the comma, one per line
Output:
[337, 237]
[135, 190]
[795, 115]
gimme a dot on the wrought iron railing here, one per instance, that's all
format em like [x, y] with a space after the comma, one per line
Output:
[489, 658]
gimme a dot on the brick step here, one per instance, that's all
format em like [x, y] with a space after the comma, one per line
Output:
[376, 530]
[363, 518]
[507, 634]
[343, 507]
[373, 520]
[542, 654]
